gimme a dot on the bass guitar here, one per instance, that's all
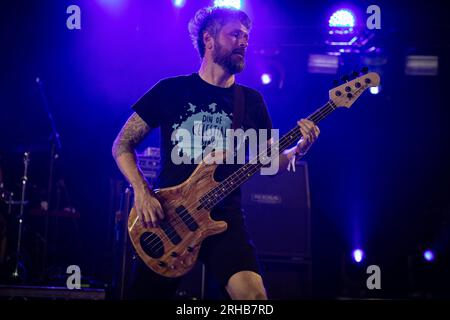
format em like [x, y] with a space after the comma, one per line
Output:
[172, 248]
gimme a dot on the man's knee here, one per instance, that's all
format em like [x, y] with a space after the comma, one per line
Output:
[253, 294]
[246, 285]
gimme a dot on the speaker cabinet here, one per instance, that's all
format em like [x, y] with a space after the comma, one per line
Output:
[277, 210]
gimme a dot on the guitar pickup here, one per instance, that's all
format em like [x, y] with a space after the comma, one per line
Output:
[170, 232]
[186, 217]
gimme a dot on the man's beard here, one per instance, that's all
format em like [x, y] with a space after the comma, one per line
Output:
[230, 62]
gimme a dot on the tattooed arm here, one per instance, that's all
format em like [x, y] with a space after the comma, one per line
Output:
[124, 152]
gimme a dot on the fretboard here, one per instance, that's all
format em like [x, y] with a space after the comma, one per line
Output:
[246, 171]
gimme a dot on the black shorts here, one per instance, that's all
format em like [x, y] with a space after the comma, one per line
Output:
[223, 255]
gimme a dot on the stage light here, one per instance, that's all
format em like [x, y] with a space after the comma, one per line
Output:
[179, 3]
[343, 36]
[237, 4]
[269, 71]
[428, 255]
[374, 90]
[322, 63]
[422, 65]
[358, 255]
[342, 18]
[266, 78]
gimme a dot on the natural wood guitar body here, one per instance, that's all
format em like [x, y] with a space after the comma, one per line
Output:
[172, 249]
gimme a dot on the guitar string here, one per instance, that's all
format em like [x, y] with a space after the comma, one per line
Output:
[214, 190]
[292, 132]
[241, 177]
[320, 115]
[253, 169]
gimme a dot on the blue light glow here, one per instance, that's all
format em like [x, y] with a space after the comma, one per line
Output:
[237, 4]
[374, 90]
[358, 255]
[342, 18]
[266, 78]
[428, 255]
[112, 3]
[179, 3]
[115, 7]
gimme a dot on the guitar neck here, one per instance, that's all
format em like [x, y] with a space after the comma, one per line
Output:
[246, 171]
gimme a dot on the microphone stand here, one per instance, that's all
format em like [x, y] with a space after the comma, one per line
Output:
[15, 274]
[54, 155]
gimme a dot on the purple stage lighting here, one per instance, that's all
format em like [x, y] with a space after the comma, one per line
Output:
[322, 63]
[266, 78]
[342, 19]
[428, 255]
[237, 4]
[112, 4]
[179, 3]
[358, 255]
[422, 65]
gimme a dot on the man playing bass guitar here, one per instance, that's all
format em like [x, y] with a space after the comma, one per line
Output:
[202, 103]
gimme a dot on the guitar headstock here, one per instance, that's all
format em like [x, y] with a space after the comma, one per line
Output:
[346, 94]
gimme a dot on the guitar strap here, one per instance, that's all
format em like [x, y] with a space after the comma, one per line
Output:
[239, 107]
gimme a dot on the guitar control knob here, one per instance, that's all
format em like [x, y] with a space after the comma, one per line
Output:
[338, 93]
[348, 89]
[358, 84]
[349, 95]
[367, 80]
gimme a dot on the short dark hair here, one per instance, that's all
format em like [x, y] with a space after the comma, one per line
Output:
[212, 19]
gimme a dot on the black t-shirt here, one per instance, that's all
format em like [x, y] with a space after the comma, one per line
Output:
[205, 111]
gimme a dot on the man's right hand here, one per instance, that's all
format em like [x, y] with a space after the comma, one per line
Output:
[148, 208]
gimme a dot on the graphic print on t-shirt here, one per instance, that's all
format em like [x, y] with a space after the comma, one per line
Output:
[207, 128]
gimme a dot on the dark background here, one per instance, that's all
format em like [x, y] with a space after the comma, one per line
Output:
[379, 172]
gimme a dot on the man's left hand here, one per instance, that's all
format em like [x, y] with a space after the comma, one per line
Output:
[310, 133]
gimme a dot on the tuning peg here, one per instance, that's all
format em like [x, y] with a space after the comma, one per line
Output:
[364, 70]
[345, 78]
[355, 74]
